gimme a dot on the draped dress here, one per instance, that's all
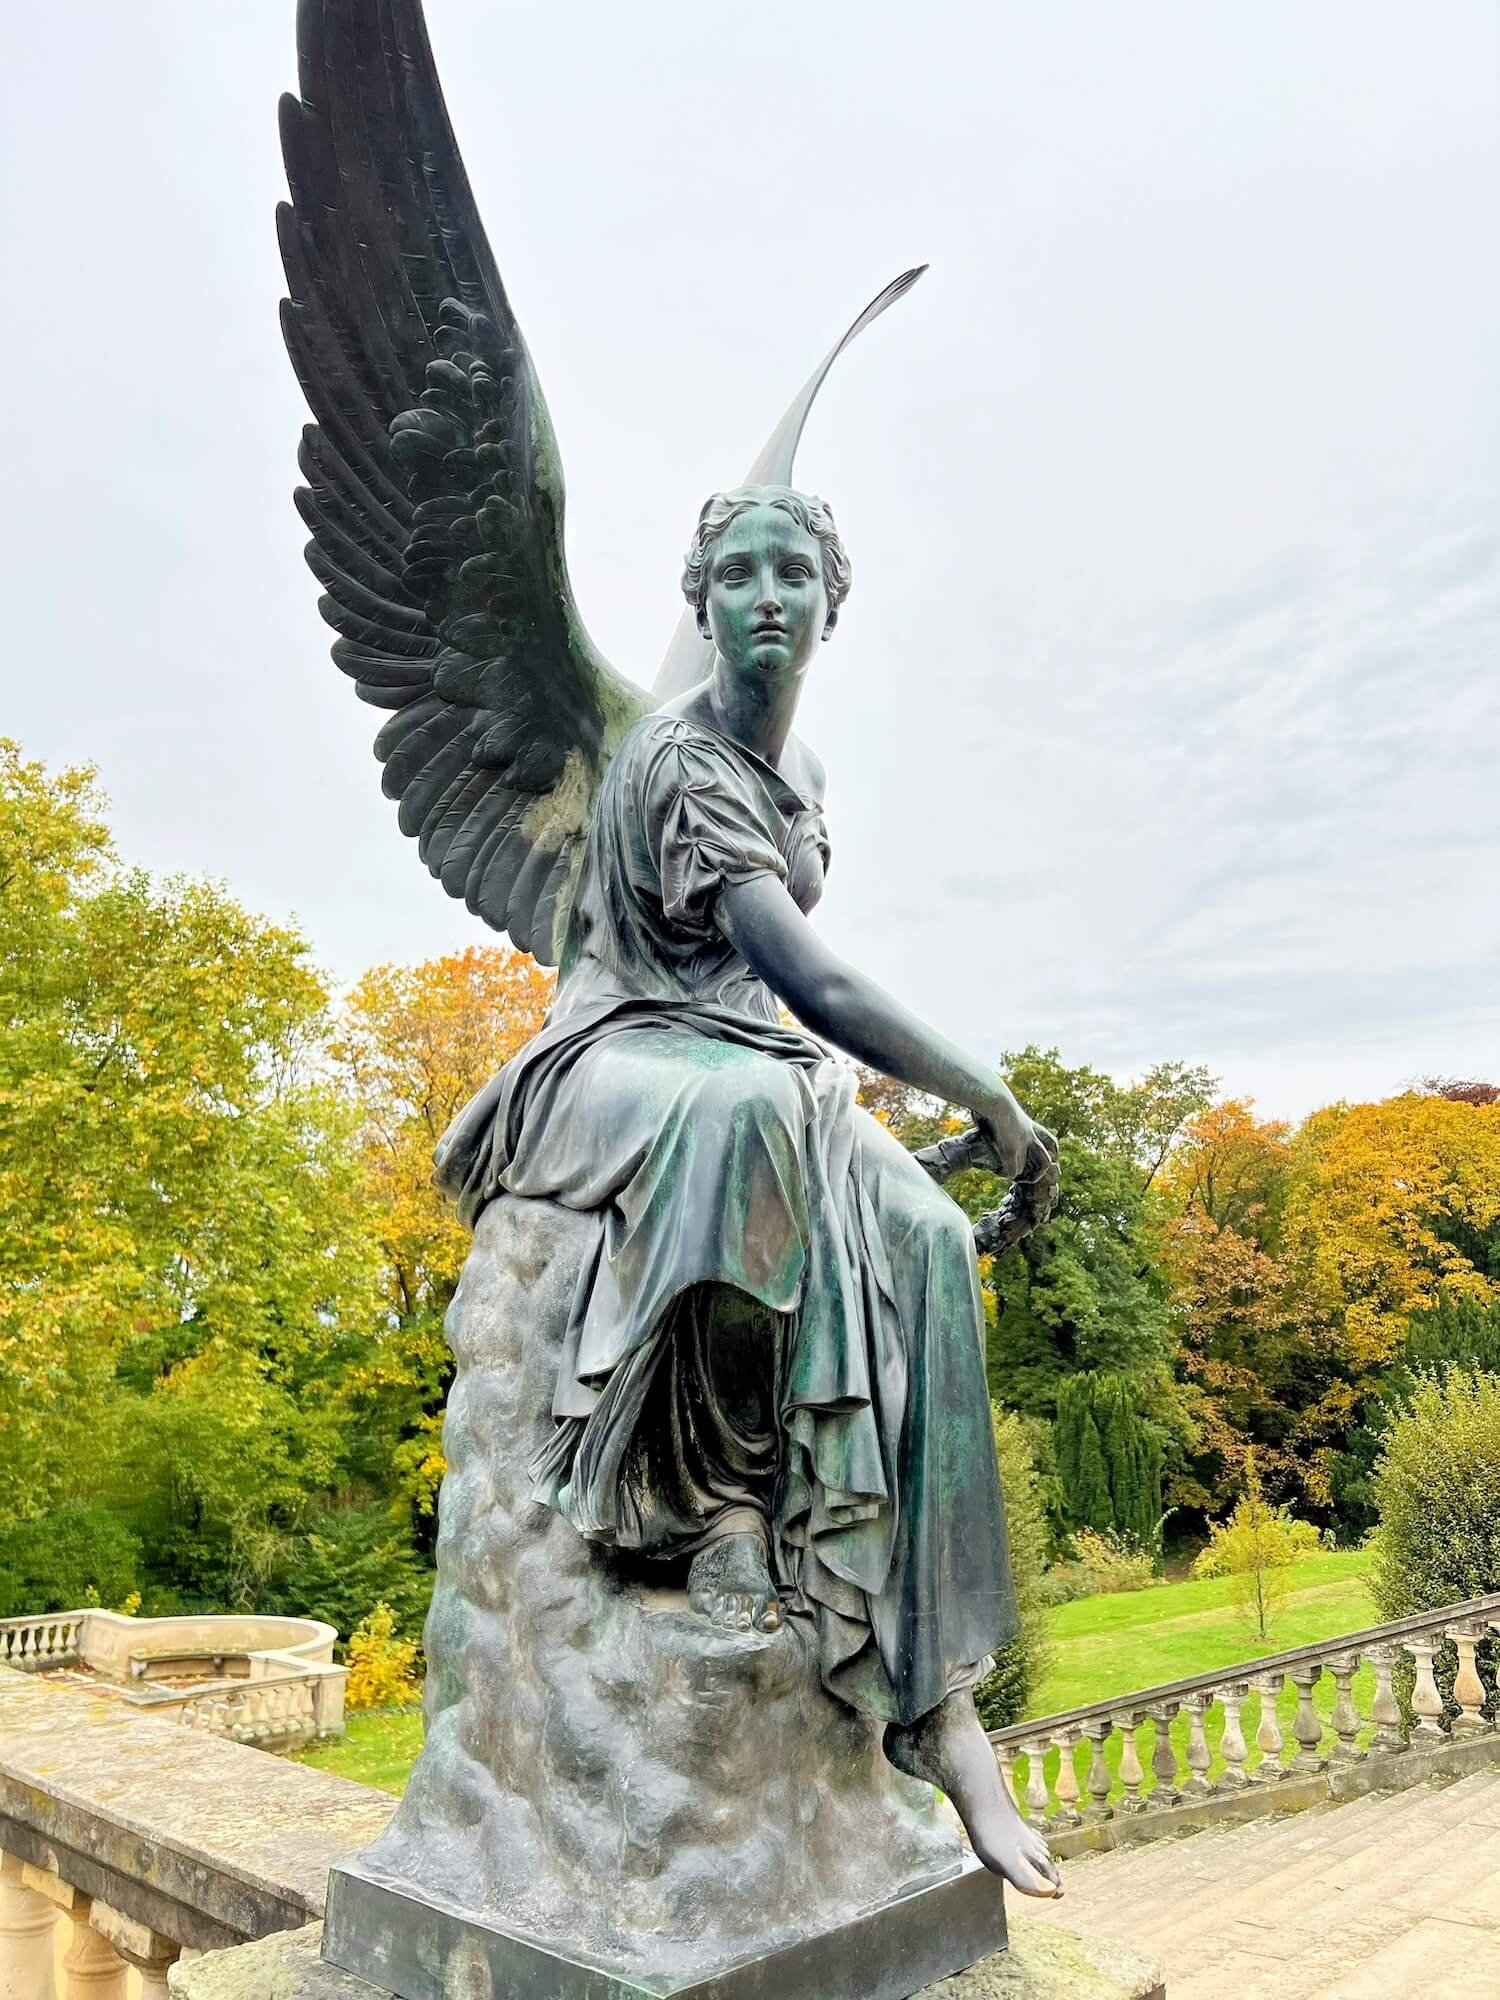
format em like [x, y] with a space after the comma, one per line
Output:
[778, 1324]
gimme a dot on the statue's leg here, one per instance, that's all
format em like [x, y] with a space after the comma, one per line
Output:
[948, 1748]
[700, 1478]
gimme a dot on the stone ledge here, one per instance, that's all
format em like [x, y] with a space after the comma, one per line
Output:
[204, 1841]
[1042, 1964]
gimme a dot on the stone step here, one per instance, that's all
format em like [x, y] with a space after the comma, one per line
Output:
[1126, 1880]
[1291, 1936]
[1124, 1872]
[1301, 1875]
[1435, 1957]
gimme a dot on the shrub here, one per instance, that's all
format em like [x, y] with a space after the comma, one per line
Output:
[1112, 1561]
[1437, 1492]
[79, 1554]
[1002, 1696]
[382, 1666]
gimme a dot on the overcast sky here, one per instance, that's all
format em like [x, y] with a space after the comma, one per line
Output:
[1163, 719]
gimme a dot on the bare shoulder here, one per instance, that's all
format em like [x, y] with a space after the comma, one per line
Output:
[803, 767]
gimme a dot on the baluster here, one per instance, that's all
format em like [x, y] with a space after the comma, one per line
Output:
[1468, 1688]
[93, 1970]
[1036, 1782]
[1067, 1787]
[1199, 1756]
[1163, 1756]
[1308, 1727]
[1232, 1746]
[1426, 1702]
[1099, 1781]
[1345, 1718]
[1131, 1774]
[1385, 1710]
[1268, 1736]
[138, 1945]
[28, 1922]
[1008, 1754]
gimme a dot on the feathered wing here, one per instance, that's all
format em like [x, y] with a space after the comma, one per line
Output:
[434, 489]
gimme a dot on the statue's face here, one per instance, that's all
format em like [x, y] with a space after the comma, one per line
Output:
[767, 607]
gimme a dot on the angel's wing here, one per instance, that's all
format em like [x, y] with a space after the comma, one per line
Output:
[435, 492]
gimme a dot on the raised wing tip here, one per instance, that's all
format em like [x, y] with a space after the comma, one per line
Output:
[896, 289]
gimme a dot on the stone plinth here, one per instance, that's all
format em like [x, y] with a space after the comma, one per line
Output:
[1042, 1964]
[606, 1777]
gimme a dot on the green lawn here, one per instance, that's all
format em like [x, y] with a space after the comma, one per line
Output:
[378, 1748]
[1141, 1638]
[1104, 1646]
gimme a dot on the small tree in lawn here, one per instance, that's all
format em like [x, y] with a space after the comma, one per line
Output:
[1255, 1548]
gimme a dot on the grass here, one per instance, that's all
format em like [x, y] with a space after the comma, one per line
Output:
[1138, 1639]
[1123, 1643]
[1104, 1646]
[378, 1747]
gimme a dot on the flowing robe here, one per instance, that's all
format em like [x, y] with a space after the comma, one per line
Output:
[780, 1319]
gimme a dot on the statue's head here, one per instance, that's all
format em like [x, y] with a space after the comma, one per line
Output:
[766, 575]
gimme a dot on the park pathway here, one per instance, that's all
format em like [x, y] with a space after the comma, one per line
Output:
[1389, 1896]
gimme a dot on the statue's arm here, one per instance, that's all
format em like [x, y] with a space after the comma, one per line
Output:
[840, 1005]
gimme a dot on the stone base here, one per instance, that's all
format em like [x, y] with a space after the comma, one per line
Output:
[1042, 1964]
[414, 1950]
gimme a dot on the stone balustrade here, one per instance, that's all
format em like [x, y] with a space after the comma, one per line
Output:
[32, 1644]
[275, 1712]
[153, 1838]
[1362, 1712]
[266, 1681]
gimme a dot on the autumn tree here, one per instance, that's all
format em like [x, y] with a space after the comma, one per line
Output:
[184, 1248]
[1302, 1263]
[414, 1044]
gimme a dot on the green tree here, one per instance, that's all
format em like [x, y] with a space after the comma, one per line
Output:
[1108, 1460]
[185, 1251]
[1437, 1489]
[1004, 1695]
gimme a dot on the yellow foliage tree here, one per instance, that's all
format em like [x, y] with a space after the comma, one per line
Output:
[1390, 1203]
[382, 1666]
[179, 1198]
[414, 1045]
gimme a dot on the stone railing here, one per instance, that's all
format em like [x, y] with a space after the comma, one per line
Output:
[31, 1645]
[153, 1843]
[1362, 1712]
[265, 1681]
[277, 1712]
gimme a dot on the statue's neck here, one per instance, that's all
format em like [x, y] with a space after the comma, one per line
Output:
[757, 711]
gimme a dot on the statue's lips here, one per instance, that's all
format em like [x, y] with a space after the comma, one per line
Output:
[760, 632]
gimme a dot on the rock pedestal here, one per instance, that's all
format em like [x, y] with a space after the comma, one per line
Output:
[608, 1782]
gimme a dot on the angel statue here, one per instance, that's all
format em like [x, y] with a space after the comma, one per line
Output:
[770, 1368]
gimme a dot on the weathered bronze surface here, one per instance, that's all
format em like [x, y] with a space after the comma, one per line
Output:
[755, 1365]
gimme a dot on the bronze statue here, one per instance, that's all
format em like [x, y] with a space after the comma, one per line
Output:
[770, 1365]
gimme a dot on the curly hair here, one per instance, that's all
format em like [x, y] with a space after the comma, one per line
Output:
[810, 513]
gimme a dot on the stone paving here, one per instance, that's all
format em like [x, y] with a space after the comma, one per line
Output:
[1389, 1896]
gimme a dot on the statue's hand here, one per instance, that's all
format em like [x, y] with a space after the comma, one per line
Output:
[1029, 1200]
[1004, 1141]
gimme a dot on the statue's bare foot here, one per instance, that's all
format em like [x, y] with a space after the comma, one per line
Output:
[730, 1584]
[948, 1748]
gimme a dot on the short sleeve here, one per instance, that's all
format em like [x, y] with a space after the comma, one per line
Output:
[710, 823]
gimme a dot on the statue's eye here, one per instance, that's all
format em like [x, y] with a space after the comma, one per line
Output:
[733, 573]
[798, 571]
